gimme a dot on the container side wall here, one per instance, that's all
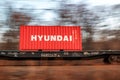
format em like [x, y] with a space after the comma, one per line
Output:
[66, 38]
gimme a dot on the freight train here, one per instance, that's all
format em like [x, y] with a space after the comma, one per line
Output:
[56, 41]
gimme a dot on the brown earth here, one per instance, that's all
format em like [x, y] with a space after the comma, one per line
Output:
[50, 62]
[100, 72]
[58, 70]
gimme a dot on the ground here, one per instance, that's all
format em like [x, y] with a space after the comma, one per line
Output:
[58, 70]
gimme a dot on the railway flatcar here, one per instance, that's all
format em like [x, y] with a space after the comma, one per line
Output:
[56, 41]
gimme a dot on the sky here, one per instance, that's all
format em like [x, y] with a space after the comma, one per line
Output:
[97, 2]
[47, 4]
[103, 2]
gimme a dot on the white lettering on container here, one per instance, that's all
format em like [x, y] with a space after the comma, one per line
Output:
[59, 38]
[46, 38]
[40, 37]
[70, 38]
[51, 38]
[33, 37]
[65, 38]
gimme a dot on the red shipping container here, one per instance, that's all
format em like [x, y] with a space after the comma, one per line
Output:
[47, 38]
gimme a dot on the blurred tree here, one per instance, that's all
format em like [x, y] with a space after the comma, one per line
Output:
[114, 34]
[14, 20]
[110, 20]
[78, 14]
[108, 28]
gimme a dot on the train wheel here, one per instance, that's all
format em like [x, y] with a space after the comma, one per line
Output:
[112, 59]
[118, 59]
[106, 61]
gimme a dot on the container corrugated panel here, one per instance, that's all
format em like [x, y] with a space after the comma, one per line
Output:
[47, 38]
